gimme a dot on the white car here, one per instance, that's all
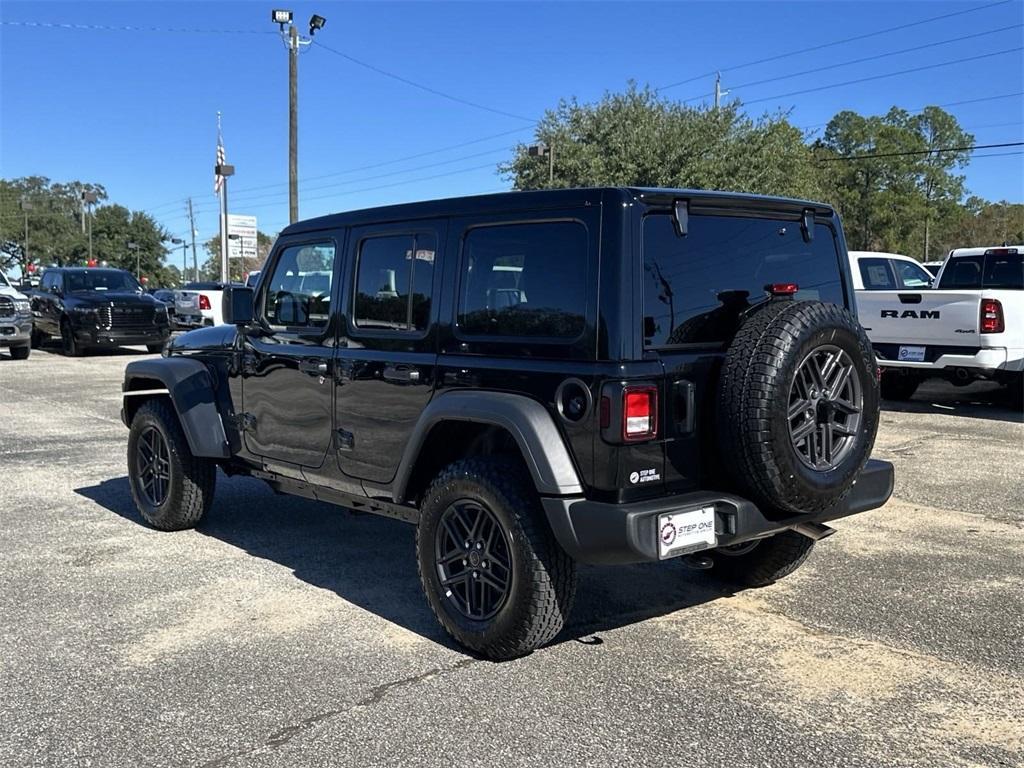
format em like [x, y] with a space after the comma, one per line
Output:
[15, 320]
[199, 304]
[969, 325]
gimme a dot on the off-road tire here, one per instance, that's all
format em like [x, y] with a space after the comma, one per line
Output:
[543, 580]
[898, 386]
[757, 376]
[21, 353]
[192, 478]
[770, 560]
[155, 349]
[68, 343]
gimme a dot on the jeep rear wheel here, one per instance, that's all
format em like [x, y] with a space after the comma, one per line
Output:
[761, 562]
[172, 489]
[492, 571]
[798, 406]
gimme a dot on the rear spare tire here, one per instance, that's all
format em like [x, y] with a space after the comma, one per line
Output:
[797, 406]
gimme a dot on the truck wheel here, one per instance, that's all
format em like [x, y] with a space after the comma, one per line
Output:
[896, 385]
[797, 406]
[492, 571]
[69, 344]
[172, 488]
[21, 353]
[761, 562]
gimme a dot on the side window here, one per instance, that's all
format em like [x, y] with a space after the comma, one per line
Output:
[47, 282]
[394, 282]
[298, 293]
[911, 276]
[524, 280]
[877, 275]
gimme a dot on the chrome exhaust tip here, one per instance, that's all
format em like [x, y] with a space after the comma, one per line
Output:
[814, 531]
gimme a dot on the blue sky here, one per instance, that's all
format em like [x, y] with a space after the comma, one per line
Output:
[136, 110]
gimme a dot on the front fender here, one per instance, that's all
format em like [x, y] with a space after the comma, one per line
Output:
[191, 389]
[529, 423]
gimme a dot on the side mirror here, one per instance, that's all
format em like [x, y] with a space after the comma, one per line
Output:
[237, 306]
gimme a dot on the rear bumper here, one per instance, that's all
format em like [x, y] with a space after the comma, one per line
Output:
[599, 533]
[986, 360]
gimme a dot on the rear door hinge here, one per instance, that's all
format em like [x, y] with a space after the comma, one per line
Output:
[245, 422]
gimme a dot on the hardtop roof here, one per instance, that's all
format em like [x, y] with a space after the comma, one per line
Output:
[506, 202]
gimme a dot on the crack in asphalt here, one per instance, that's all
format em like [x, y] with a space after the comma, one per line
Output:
[284, 735]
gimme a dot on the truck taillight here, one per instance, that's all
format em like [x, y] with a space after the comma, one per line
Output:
[992, 316]
[639, 413]
[204, 301]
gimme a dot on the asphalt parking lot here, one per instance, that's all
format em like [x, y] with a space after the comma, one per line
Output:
[289, 633]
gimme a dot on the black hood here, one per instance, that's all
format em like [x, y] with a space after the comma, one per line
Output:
[209, 338]
[119, 298]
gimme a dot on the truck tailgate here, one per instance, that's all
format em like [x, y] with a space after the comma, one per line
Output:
[921, 317]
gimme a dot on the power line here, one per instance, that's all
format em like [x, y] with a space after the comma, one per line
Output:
[876, 57]
[883, 76]
[421, 86]
[822, 46]
[872, 155]
[129, 28]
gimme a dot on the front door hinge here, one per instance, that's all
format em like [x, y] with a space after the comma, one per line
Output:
[344, 440]
[245, 422]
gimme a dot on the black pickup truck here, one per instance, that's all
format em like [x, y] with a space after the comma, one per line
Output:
[91, 307]
[535, 379]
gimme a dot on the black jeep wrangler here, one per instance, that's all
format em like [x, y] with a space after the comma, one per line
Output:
[535, 379]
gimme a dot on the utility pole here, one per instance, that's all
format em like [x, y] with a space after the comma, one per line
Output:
[26, 206]
[192, 226]
[88, 198]
[294, 42]
[719, 93]
[293, 124]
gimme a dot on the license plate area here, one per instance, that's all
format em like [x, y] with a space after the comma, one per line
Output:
[911, 354]
[686, 531]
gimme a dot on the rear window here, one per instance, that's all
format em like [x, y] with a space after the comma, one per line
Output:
[523, 280]
[876, 274]
[695, 287]
[995, 269]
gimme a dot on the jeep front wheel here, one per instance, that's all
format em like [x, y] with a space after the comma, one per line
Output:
[492, 571]
[172, 489]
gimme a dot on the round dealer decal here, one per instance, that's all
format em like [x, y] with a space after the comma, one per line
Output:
[668, 533]
[634, 478]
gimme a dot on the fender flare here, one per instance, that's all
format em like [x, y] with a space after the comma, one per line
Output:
[529, 423]
[190, 386]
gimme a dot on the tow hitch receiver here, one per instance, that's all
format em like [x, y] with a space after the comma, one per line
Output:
[814, 531]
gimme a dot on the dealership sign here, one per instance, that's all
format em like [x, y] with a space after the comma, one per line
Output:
[241, 236]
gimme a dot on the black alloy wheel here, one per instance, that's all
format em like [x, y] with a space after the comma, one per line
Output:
[825, 406]
[153, 466]
[471, 553]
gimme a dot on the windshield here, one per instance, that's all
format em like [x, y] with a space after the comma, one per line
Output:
[101, 280]
[1000, 268]
[697, 286]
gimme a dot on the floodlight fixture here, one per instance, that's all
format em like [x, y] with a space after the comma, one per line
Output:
[281, 17]
[316, 22]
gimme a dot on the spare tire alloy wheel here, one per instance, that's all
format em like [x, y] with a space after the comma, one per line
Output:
[825, 406]
[472, 557]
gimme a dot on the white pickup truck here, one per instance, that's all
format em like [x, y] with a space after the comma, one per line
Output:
[969, 325]
[199, 304]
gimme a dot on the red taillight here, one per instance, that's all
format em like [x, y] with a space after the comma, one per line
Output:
[204, 301]
[782, 289]
[639, 413]
[992, 316]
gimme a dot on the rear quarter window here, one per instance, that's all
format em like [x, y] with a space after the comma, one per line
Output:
[696, 286]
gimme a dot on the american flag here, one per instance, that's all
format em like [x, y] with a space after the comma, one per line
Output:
[218, 180]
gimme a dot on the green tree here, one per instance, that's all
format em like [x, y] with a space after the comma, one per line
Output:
[638, 138]
[130, 240]
[54, 217]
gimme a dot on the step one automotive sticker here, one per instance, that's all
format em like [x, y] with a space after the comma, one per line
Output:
[644, 476]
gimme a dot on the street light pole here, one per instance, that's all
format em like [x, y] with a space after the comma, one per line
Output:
[542, 150]
[88, 198]
[184, 255]
[224, 171]
[294, 42]
[138, 266]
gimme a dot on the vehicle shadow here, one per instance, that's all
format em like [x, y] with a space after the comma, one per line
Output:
[370, 561]
[978, 400]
